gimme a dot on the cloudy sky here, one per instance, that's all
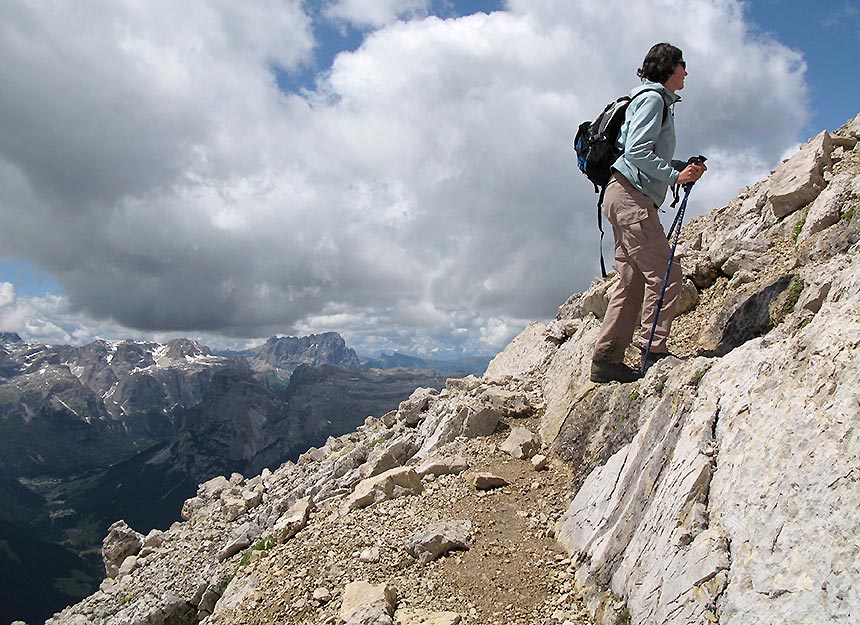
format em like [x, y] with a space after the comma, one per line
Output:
[398, 171]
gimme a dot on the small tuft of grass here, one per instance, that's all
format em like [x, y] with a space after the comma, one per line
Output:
[848, 215]
[697, 377]
[792, 296]
[631, 399]
[262, 545]
[623, 617]
[798, 228]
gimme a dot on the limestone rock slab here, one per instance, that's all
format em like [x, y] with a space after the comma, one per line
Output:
[121, 541]
[842, 192]
[797, 181]
[484, 480]
[366, 604]
[437, 539]
[389, 485]
[294, 520]
[527, 353]
[521, 443]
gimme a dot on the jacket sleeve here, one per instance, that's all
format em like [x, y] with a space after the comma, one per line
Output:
[646, 123]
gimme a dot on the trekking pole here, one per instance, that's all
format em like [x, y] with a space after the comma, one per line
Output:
[679, 219]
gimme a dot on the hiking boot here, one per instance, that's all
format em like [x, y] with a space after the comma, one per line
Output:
[603, 371]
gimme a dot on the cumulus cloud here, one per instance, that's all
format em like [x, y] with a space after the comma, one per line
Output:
[422, 195]
[7, 294]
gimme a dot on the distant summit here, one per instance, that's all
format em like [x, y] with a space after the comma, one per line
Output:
[274, 361]
[10, 338]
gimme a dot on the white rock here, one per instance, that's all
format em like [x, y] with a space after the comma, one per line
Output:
[524, 355]
[797, 181]
[370, 555]
[294, 520]
[389, 485]
[232, 508]
[322, 595]
[841, 192]
[411, 409]
[521, 443]
[127, 566]
[366, 604]
[540, 462]
[484, 480]
[437, 539]
[442, 466]
[509, 404]
[120, 542]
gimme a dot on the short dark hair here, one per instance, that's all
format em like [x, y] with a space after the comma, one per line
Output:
[660, 62]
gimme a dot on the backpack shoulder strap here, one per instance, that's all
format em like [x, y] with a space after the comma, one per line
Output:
[665, 106]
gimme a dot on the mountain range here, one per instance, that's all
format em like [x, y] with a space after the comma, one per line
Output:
[127, 429]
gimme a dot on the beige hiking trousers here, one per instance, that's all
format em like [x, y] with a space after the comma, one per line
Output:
[641, 255]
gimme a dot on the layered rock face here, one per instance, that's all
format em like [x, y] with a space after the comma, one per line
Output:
[735, 500]
[723, 488]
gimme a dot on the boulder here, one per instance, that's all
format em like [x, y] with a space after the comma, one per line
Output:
[411, 409]
[445, 423]
[120, 542]
[442, 466]
[591, 303]
[366, 604]
[797, 181]
[521, 443]
[294, 520]
[388, 455]
[526, 353]
[484, 480]
[240, 539]
[480, 422]
[389, 485]
[842, 192]
[509, 404]
[747, 315]
[438, 539]
[699, 267]
[540, 462]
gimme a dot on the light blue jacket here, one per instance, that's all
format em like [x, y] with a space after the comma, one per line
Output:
[648, 143]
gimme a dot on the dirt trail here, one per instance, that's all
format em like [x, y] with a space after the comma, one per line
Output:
[513, 574]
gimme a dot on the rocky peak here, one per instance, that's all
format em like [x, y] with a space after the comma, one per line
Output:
[282, 355]
[179, 350]
[10, 338]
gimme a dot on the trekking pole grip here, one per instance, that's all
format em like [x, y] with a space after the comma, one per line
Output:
[694, 160]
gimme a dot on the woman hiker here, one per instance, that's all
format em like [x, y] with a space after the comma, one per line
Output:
[640, 178]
